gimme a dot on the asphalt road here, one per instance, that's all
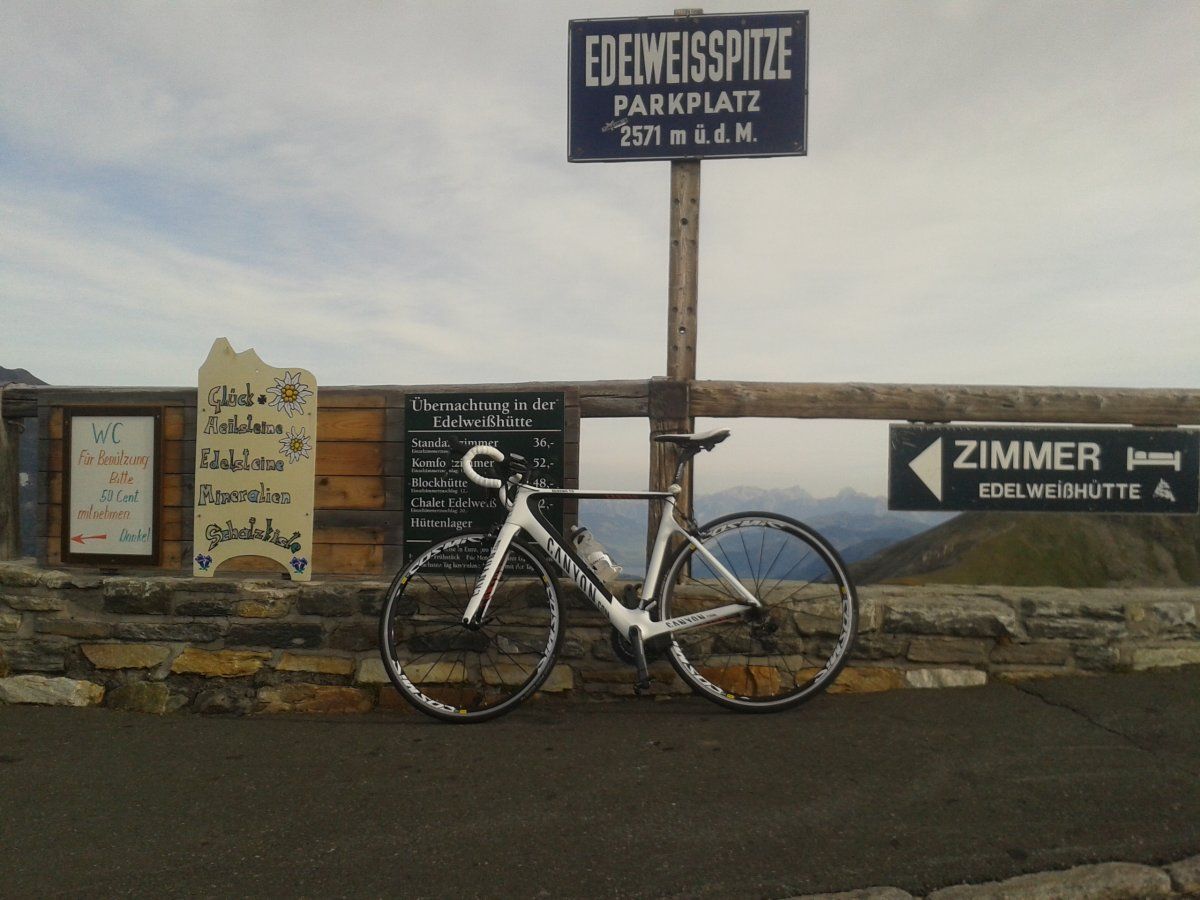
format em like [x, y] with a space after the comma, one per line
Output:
[636, 798]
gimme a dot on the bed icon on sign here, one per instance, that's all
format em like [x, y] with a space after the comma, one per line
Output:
[1139, 458]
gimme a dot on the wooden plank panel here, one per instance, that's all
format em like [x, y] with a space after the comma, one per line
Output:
[393, 459]
[56, 423]
[394, 492]
[946, 403]
[179, 457]
[349, 536]
[173, 423]
[357, 518]
[393, 558]
[174, 555]
[348, 559]
[393, 431]
[350, 425]
[601, 399]
[177, 490]
[349, 492]
[108, 395]
[350, 458]
[17, 405]
[350, 398]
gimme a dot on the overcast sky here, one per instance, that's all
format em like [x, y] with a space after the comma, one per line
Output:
[999, 193]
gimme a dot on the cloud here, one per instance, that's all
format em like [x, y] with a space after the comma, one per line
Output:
[995, 193]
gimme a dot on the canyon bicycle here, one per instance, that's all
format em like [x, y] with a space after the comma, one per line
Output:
[755, 611]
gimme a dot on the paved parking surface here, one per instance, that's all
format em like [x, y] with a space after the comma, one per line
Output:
[627, 799]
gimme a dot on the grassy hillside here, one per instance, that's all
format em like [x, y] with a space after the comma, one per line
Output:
[1032, 549]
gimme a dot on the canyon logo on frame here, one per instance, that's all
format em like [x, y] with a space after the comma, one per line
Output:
[256, 462]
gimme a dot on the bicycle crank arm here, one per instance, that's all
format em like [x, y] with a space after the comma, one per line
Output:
[639, 659]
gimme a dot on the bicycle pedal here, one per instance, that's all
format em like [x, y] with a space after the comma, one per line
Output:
[641, 688]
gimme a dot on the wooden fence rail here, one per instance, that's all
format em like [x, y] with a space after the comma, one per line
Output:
[658, 397]
[663, 402]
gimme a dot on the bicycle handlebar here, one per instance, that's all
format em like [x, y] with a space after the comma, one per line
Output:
[469, 470]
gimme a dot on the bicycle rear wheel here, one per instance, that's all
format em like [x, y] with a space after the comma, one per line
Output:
[768, 659]
[462, 674]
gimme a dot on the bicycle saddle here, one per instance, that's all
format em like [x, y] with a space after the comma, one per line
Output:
[704, 440]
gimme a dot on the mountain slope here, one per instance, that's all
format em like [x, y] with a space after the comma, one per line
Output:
[18, 376]
[1032, 549]
[858, 525]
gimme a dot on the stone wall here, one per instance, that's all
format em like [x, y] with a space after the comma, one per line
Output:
[160, 644]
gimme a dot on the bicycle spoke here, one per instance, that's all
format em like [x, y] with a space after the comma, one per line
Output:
[770, 656]
[459, 673]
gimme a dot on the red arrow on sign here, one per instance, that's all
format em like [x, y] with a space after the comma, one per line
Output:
[79, 538]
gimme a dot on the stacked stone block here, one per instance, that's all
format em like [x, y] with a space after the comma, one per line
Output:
[161, 644]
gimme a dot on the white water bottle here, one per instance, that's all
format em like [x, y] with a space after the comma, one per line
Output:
[595, 555]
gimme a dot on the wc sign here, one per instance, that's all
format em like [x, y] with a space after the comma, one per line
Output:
[1044, 469]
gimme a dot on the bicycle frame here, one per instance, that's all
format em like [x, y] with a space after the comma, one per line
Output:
[523, 517]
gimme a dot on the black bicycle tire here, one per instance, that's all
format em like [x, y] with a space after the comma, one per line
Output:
[394, 669]
[847, 636]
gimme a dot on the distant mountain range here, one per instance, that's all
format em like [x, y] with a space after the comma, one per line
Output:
[17, 376]
[1031, 549]
[857, 524]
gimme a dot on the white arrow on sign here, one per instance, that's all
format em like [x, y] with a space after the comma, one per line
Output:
[928, 466]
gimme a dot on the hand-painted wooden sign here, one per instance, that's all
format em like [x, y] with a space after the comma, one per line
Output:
[256, 453]
[112, 485]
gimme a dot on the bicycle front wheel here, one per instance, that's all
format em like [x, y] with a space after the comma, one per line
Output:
[767, 659]
[468, 674]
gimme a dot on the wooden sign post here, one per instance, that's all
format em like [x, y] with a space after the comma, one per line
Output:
[686, 87]
[10, 502]
[683, 282]
[683, 294]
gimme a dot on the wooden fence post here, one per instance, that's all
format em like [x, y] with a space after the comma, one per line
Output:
[10, 493]
[682, 293]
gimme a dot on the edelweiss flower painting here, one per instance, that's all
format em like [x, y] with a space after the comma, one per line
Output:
[295, 444]
[288, 394]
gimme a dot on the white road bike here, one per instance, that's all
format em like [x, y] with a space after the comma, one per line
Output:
[754, 610]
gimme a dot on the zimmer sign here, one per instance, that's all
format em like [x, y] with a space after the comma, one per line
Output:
[688, 87]
[1044, 469]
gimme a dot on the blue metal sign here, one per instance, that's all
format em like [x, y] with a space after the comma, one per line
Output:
[688, 87]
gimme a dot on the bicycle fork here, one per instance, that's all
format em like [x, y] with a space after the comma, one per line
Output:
[481, 595]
